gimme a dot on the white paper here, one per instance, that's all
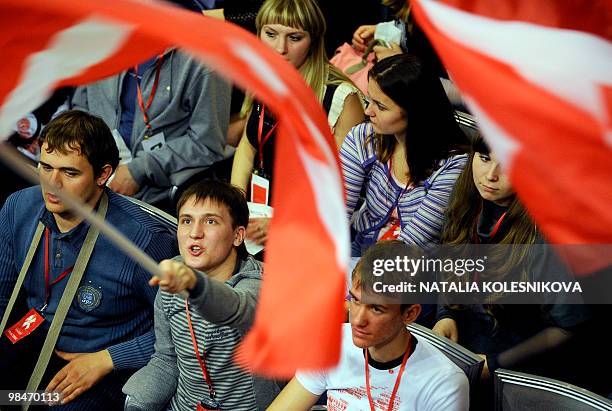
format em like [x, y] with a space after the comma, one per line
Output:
[388, 33]
[257, 211]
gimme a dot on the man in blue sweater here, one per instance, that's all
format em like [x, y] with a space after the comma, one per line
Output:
[108, 330]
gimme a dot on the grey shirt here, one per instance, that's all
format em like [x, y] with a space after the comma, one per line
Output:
[190, 107]
[221, 314]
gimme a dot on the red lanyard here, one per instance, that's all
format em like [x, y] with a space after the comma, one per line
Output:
[144, 108]
[259, 134]
[201, 360]
[497, 225]
[397, 380]
[58, 279]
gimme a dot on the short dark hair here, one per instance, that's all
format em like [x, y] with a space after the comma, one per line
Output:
[432, 134]
[364, 278]
[222, 193]
[83, 132]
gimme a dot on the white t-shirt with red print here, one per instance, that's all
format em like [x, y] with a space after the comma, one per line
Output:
[431, 382]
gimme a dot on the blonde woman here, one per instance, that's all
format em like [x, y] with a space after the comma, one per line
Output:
[295, 29]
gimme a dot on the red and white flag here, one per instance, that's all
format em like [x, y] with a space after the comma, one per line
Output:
[46, 44]
[538, 77]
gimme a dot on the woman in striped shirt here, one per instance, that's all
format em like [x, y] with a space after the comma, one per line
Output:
[406, 158]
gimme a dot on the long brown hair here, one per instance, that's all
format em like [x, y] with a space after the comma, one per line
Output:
[432, 133]
[461, 227]
[466, 204]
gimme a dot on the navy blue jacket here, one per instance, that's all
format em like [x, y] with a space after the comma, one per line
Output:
[113, 306]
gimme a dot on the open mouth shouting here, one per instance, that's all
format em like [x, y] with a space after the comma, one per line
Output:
[195, 250]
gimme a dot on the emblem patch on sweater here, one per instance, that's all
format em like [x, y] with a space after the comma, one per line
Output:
[88, 297]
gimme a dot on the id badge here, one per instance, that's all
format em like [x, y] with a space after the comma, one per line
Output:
[260, 189]
[27, 126]
[392, 233]
[208, 405]
[154, 142]
[25, 326]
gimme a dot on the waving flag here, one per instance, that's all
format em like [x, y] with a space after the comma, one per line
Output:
[46, 44]
[538, 77]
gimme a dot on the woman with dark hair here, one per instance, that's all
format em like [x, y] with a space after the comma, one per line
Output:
[484, 209]
[406, 158]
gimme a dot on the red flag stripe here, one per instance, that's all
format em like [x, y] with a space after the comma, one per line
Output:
[539, 54]
[571, 126]
[300, 258]
[590, 16]
[315, 284]
[309, 219]
[45, 68]
[327, 185]
[16, 49]
[553, 138]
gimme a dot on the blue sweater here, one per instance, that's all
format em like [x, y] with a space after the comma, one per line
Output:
[113, 307]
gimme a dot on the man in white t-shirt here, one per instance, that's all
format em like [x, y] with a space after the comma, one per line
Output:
[382, 366]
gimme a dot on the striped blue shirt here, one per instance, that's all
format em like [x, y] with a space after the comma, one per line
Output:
[221, 315]
[420, 209]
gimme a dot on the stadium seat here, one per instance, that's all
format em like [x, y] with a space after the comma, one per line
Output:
[516, 391]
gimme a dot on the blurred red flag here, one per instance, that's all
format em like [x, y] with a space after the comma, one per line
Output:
[49, 43]
[537, 75]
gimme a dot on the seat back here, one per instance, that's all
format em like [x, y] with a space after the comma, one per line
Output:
[160, 216]
[516, 391]
[466, 123]
[470, 363]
